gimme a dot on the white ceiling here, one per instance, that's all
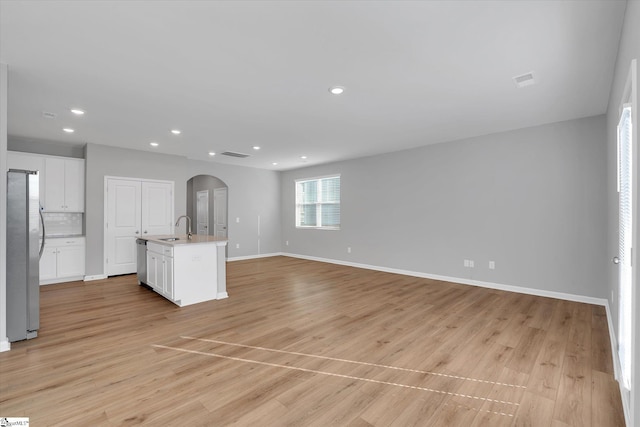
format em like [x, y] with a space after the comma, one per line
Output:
[235, 74]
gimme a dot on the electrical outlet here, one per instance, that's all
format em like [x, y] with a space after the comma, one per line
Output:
[349, 249]
[466, 263]
[237, 220]
[492, 265]
[471, 264]
[286, 243]
[237, 245]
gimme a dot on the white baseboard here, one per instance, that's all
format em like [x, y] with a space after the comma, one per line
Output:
[243, 258]
[463, 281]
[61, 280]
[5, 345]
[95, 277]
[617, 370]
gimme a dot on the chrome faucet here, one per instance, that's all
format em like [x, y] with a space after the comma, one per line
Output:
[188, 225]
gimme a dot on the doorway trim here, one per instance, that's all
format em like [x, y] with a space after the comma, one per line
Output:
[629, 396]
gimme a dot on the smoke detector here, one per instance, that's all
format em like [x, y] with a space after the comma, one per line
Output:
[48, 115]
[523, 80]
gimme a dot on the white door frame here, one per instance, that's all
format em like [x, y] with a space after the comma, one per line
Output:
[631, 397]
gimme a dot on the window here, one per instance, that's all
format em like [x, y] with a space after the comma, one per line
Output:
[625, 189]
[318, 203]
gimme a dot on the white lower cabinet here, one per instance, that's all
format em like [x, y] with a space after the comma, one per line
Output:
[160, 269]
[62, 260]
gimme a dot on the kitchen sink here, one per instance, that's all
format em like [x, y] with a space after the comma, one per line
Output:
[170, 239]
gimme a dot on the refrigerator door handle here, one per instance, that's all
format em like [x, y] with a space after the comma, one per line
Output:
[43, 233]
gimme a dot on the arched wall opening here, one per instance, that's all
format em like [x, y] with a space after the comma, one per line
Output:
[207, 205]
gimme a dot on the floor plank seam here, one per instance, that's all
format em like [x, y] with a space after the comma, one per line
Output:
[238, 359]
[358, 362]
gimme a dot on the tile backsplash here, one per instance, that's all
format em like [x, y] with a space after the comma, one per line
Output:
[62, 223]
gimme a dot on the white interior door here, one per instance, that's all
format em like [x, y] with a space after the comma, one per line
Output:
[123, 225]
[157, 208]
[220, 212]
[202, 212]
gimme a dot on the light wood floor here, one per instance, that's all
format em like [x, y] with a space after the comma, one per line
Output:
[304, 343]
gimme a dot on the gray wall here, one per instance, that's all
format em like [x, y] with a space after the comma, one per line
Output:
[200, 183]
[252, 192]
[50, 148]
[629, 49]
[532, 200]
[254, 197]
[104, 161]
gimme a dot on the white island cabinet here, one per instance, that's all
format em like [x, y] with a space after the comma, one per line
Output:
[187, 271]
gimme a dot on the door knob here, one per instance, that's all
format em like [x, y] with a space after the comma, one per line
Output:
[145, 231]
[615, 260]
[137, 231]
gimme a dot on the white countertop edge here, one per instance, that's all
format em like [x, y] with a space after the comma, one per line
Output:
[183, 240]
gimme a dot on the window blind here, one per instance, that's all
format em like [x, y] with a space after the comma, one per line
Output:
[625, 183]
[318, 203]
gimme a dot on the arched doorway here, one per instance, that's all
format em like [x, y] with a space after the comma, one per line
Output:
[207, 205]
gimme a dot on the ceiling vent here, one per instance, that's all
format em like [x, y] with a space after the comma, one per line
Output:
[48, 115]
[233, 154]
[524, 80]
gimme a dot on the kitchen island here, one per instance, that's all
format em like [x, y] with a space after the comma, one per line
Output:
[187, 271]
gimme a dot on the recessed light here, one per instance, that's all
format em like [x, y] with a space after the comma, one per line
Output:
[211, 153]
[303, 157]
[336, 90]
[68, 130]
[153, 144]
[176, 131]
[274, 163]
[77, 112]
[255, 147]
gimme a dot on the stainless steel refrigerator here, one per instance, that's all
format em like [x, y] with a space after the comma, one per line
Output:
[23, 254]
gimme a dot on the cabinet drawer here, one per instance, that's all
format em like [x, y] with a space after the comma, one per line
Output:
[64, 241]
[160, 249]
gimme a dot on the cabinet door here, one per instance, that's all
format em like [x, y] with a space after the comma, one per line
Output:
[54, 175]
[48, 263]
[153, 267]
[162, 274]
[157, 208]
[168, 279]
[74, 185]
[70, 261]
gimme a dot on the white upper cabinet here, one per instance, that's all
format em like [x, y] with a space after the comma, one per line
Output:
[61, 179]
[65, 185]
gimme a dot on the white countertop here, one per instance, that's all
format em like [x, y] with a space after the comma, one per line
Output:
[183, 240]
